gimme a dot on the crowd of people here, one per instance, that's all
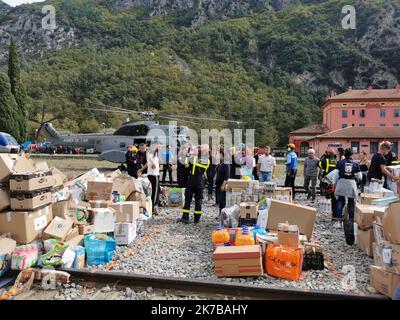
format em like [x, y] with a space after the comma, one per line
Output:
[340, 176]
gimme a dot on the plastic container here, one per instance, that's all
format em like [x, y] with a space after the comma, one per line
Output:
[220, 236]
[245, 238]
[257, 229]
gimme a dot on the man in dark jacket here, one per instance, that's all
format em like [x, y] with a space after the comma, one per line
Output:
[327, 164]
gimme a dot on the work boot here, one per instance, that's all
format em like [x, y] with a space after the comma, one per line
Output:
[197, 218]
[185, 218]
[308, 196]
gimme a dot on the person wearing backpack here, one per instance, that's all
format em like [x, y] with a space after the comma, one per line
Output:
[346, 187]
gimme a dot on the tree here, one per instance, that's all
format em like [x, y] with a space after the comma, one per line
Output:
[18, 90]
[8, 107]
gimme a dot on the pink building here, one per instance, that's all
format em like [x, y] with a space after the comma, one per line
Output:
[357, 118]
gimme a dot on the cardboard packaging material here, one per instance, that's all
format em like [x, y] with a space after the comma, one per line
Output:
[103, 220]
[99, 189]
[60, 209]
[365, 239]
[384, 282]
[30, 200]
[124, 185]
[99, 204]
[4, 199]
[76, 241]
[302, 216]
[238, 261]
[25, 226]
[365, 215]
[7, 163]
[249, 210]
[74, 232]
[58, 229]
[86, 229]
[7, 246]
[58, 178]
[79, 262]
[31, 181]
[388, 256]
[127, 211]
[283, 194]
[237, 183]
[137, 196]
[125, 232]
[391, 223]
[290, 239]
[367, 198]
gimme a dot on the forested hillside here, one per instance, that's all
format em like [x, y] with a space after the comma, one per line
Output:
[266, 63]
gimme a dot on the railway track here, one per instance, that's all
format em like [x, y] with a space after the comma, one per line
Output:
[211, 288]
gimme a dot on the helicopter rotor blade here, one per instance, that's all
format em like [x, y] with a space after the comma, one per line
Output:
[179, 120]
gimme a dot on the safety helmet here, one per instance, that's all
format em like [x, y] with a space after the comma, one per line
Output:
[132, 149]
[330, 150]
[291, 146]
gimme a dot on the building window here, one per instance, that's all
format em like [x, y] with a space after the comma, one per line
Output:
[355, 146]
[362, 125]
[382, 125]
[362, 113]
[344, 125]
[373, 147]
[396, 113]
[395, 147]
[344, 113]
[353, 125]
[396, 125]
[383, 113]
[353, 112]
[304, 149]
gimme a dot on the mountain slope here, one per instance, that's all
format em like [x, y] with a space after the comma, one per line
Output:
[268, 63]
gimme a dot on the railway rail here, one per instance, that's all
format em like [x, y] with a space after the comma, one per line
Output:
[213, 288]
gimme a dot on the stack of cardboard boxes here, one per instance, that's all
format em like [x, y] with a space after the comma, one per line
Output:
[40, 207]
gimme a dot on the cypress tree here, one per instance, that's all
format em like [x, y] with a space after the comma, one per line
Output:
[17, 89]
[8, 108]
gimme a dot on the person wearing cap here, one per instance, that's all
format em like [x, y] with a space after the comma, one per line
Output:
[311, 174]
[327, 164]
[133, 163]
[291, 168]
[197, 166]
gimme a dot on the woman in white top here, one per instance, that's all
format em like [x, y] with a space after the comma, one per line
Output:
[153, 173]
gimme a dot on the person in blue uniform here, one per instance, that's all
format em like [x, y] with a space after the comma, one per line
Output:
[291, 168]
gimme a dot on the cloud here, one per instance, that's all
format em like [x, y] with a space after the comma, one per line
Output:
[14, 3]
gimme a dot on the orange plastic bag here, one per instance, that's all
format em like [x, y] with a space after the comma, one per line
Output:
[283, 262]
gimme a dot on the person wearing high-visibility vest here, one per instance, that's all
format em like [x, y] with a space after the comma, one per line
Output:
[195, 185]
[327, 164]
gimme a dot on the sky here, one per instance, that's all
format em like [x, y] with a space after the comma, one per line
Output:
[14, 3]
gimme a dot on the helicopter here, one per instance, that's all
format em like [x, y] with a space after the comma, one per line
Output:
[112, 147]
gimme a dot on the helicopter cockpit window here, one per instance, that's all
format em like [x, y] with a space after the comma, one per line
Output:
[135, 130]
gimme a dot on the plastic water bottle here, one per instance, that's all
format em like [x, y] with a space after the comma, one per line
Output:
[257, 229]
[220, 236]
[245, 238]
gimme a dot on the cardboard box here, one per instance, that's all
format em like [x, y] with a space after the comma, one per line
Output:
[124, 185]
[365, 239]
[58, 178]
[7, 163]
[290, 239]
[302, 216]
[103, 220]
[7, 246]
[391, 223]
[238, 261]
[384, 282]
[73, 233]
[283, 194]
[4, 199]
[367, 198]
[99, 204]
[31, 181]
[388, 260]
[127, 211]
[125, 232]
[29, 200]
[60, 209]
[365, 215]
[58, 229]
[249, 210]
[86, 229]
[237, 183]
[25, 226]
[140, 197]
[76, 241]
[99, 189]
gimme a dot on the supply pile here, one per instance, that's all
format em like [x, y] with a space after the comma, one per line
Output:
[49, 220]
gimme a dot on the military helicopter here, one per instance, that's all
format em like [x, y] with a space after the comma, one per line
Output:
[112, 147]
